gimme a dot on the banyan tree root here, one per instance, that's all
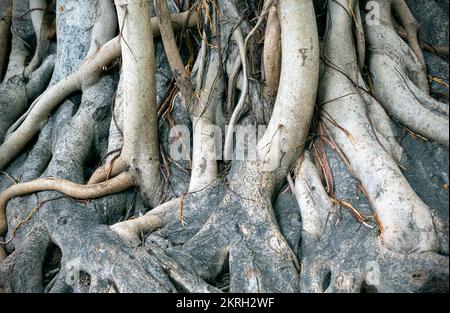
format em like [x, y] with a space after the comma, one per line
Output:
[399, 77]
[19, 86]
[115, 185]
[406, 223]
[242, 231]
[85, 76]
[225, 224]
[41, 24]
[272, 53]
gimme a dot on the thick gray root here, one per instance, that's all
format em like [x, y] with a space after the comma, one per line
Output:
[22, 270]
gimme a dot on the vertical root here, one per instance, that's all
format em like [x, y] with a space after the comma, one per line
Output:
[141, 142]
[238, 37]
[38, 9]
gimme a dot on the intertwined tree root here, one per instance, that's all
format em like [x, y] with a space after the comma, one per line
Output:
[89, 150]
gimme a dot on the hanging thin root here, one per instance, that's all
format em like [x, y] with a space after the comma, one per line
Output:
[238, 37]
[236, 69]
[359, 36]
[115, 185]
[171, 49]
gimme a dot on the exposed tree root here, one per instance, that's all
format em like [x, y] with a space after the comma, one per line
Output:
[114, 185]
[22, 270]
[407, 222]
[107, 171]
[272, 53]
[41, 25]
[52, 97]
[140, 126]
[412, 29]
[399, 78]
[239, 39]
[84, 77]
[215, 226]
[241, 230]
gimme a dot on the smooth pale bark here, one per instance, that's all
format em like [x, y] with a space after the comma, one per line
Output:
[399, 79]
[130, 230]
[108, 171]
[140, 126]
[314, 203]
[239, 39]
[105, 25]
[288, 128]
[407, 224]
[272, 53]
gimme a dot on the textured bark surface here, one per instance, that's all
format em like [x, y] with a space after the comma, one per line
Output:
[91, 199]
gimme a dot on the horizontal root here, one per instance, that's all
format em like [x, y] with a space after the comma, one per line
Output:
[115, 185]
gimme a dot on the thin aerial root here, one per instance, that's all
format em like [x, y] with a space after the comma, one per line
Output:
[107, 171]
[268, 4]
[238, 37]
[28, 218]
[171, 49]
[232, 83]
[115, 185]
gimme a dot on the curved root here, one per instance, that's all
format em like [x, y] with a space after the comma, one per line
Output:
[107, 171]
[115, 185]
[238, 37]
[407, 224]
[399, 77]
